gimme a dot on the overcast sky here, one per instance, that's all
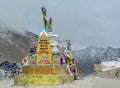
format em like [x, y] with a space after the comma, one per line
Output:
[84, 22]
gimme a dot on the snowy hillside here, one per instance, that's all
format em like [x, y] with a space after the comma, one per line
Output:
[86, 58]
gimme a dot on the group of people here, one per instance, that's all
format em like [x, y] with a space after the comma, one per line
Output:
[69, 61]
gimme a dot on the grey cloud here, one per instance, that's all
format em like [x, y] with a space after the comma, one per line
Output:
[84, 22]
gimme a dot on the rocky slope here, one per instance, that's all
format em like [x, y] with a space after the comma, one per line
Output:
[13, 45]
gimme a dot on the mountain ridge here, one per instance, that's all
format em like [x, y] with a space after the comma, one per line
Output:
[86, 58]
[13, 45]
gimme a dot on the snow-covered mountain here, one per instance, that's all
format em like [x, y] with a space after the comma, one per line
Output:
[86, 58]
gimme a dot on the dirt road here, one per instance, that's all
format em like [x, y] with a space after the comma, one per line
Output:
[88, 82]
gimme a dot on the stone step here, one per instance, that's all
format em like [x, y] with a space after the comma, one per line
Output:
[29, 80]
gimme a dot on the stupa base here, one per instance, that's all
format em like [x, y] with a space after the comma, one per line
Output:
[38, 79]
